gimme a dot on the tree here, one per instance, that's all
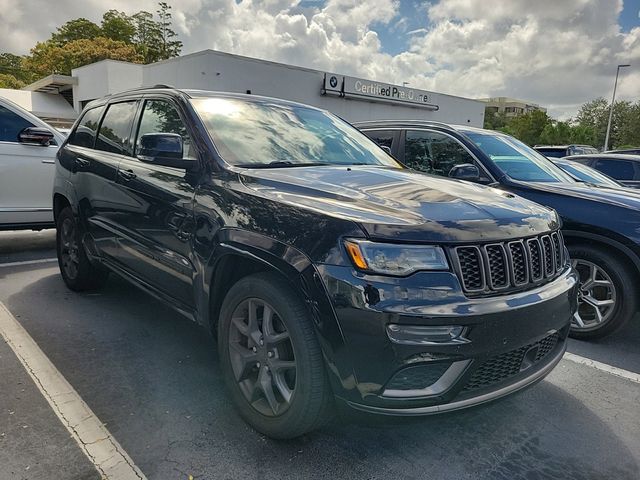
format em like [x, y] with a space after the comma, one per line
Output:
[494, 120]
[528, 127]
[147, 37]
[118, 26]
[47, 57]
[77, 29]
[170, 47]
[10, 81]
[11, 65]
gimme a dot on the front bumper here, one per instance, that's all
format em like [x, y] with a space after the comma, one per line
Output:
[510, 341]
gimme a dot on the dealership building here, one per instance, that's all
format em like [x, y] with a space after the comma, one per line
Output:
[354, 99]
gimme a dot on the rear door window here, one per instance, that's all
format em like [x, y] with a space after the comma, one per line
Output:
[11, 124]
[85, 133]
[618, 169]
[115, 130]
[384, 138]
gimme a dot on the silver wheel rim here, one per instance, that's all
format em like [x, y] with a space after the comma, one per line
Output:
[262, 358]
[69, 249]
[596, 297]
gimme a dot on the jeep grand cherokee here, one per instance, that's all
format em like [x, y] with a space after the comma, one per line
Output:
[326, 270]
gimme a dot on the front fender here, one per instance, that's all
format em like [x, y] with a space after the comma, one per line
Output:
[234, 245]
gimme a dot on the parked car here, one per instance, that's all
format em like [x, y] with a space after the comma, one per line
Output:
[584, 173]
[325, 269]
[28, 149]
[623, 168]
[559, 151]
[600, 224]
[626, 151]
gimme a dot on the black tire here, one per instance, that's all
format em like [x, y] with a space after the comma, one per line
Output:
[310, 404]
[78, 273]
[623, 279]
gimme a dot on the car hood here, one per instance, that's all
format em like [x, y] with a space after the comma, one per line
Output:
[403, 205]
[616, 196]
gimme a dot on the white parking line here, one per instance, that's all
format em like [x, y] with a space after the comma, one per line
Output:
[618, 372]
[28, 262]
[95, 441]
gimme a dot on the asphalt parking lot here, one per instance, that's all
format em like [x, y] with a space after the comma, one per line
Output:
[152, 378]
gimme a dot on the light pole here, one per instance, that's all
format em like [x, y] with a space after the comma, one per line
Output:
[613, 100]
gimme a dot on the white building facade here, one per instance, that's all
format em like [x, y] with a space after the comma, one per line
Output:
[353, 99]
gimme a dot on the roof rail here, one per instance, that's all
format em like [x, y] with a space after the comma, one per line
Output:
[402, 122]
[145, 87]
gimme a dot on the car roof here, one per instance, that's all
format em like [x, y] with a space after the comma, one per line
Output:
[616, 156]
[194, 93]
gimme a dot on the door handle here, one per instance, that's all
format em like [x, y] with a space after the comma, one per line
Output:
[127, 175]
[81, 163]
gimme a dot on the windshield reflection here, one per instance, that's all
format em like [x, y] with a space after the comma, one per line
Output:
[260, 133]
[517, 160]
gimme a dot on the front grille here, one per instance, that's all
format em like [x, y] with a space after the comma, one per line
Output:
[497, 267]
[417, 377]
[508, 364]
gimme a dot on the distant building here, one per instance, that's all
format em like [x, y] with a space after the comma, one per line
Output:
[511, 107]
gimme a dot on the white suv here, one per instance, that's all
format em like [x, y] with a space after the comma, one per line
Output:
[28, 148]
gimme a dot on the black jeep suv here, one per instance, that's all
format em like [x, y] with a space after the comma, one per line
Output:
[324, 268]
[600, 224]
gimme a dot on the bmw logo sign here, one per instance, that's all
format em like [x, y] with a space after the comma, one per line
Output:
[333, 81]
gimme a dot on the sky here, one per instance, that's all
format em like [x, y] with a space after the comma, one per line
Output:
[557, 53]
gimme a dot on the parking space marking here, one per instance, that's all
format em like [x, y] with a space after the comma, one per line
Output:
[95, 441]
[28, 262]
[618, 372]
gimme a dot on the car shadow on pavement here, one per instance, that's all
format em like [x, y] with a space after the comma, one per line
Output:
[153, 377]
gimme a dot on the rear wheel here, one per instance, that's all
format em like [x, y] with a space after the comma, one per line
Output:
[607, 296]
[271, 360]
[77, 271]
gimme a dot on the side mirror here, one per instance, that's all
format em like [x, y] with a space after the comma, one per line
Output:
[35, 136]
[386, 149]
[465, 171]
[164, 149]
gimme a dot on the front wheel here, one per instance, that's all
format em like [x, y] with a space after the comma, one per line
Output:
[607, 296]
[270, 357]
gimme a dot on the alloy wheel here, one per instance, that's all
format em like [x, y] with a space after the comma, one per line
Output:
[69, 248]
[596, 297]
[262, 357]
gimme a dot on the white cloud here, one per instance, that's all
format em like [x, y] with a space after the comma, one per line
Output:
[559, 53]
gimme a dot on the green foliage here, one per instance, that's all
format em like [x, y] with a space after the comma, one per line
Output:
[137, 38]
[77, 29]
[47, 57]
[10, 81]
[118, 26]
[589, 127]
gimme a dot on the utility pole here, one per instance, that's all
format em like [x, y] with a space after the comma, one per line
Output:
[613, 100]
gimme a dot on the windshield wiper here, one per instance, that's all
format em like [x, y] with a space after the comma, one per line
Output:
[281, 164]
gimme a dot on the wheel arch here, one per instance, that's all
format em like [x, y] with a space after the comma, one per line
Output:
[573, 237]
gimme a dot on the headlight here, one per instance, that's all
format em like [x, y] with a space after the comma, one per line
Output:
[395, 259]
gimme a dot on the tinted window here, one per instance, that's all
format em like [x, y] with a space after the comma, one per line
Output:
[553, 152]
[434, 152]
[382, 138]
[516, 159]
[258, 134]
[618, 169]
[587, 174]
[115, 128]
[11, 124]
[159, 116]
[85, 133]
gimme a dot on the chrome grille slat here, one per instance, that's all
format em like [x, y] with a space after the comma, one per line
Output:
[504, 266]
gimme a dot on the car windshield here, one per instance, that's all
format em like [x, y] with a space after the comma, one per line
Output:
[587, 174]
[516, 159]
[264, 134]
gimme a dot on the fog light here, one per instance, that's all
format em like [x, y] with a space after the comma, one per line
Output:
[424, 335]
